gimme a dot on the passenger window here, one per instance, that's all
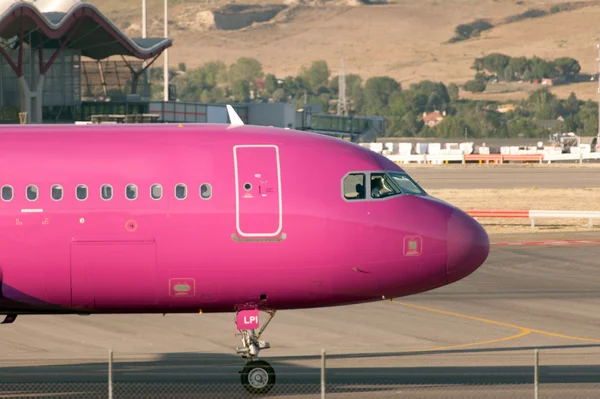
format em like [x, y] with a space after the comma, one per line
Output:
[56, 192]
[106, 192]
[7, 192]
[354, 186]
[32, 192]
[205, 191]
[131, 191]
[180, 191]
[156, 191]
[382, 186]
[82, 192]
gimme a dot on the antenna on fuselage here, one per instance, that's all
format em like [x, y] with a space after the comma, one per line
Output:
[234, 118]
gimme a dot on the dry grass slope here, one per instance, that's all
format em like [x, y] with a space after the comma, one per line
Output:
[524, 199]
[404, 40]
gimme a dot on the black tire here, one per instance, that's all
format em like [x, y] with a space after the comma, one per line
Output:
[258, 377]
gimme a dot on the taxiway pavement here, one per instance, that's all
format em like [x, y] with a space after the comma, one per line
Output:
[458, 339]
[472, 339]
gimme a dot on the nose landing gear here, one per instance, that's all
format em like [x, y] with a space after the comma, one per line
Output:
[257, 376]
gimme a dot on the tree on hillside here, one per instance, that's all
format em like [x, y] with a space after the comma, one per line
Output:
[453, 92]
[465, 31]
[191, 85]
[240, 90]
[351, 80]
[301, 84]
[278, 95]
[270, 84]
[403, 117]
[197, 84]
[290, 86]
[516, 69]
[544, 105]
[540, 69]
[215, 73]
[453, 126]
[436, 92]
[521, 68]
[567, 66]
[586, 120]
[377, 93]
[355, 93]
[522, 127]
[494, 63]
[475, 86]
[245, 69]
[486, 123]
[571, 106]
[316, 76]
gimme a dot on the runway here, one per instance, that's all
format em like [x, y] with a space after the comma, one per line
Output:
[471, 339]
[504, 176]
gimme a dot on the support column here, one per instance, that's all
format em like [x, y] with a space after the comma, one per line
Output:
[31, 100]
[25, 96]
[135, 75]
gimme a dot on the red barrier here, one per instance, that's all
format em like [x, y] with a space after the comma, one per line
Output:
[487, 158]
[498, 214]
[523, 157]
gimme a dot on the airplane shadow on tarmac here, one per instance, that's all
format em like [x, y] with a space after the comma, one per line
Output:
[198, 375]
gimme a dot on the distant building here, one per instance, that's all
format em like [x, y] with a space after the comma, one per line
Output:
[506, 108]
[434, 118]
[547, 82]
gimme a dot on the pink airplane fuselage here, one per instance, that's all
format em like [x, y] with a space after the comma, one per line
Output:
[276, 231]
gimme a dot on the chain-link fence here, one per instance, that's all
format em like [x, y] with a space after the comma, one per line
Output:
[483, 373]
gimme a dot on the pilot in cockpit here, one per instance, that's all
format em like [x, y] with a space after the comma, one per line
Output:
[376, 187]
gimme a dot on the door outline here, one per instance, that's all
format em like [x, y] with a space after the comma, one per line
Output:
[237, 191]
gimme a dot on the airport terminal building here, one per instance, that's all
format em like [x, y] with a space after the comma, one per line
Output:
[63, 61]
[53, 50]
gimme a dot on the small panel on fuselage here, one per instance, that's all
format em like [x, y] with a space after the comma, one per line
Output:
[258, 190]
[108, 275]
[194, 289]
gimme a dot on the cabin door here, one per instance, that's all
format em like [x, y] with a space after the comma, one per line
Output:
[257, 190]
[113, 274]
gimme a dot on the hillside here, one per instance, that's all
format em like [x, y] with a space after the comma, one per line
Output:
[406, 40]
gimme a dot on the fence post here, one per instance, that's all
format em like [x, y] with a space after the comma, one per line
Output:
[110, 374]
[532, 223]
[322, 373]
[536, 374]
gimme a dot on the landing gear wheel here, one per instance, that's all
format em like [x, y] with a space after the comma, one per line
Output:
[258, 377]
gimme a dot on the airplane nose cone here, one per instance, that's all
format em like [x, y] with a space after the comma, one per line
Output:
[468, 246]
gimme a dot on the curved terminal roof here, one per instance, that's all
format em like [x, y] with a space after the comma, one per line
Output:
[51, 22]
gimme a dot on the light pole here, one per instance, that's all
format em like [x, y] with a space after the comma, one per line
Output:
[166, 55]
[598, 59]
[144, 18]
[144, 35]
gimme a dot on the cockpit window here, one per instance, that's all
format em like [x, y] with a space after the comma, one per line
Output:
[382, 186]
[406, 184]
[354, 186]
